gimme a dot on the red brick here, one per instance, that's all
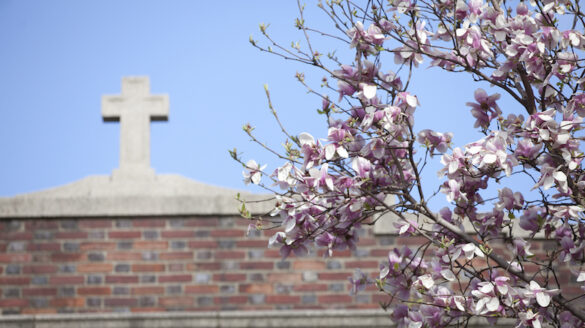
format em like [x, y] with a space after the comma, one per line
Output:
[149, 290]
[67, 257]
[148, 223]
[256, 288]
[150, 245]
[178, 234]
[174, 267]
[412, 240]
[274, 254]
[201, 289]
[97, 245]
[201, 222]
[95, 267]
[120, 302]
[94, 291]
[229, 277]
[230, 300]
[66, 280]
[308, 265]
[176, 256]
[148, 267]
[283, 299]
[221, 255]
[123, 256]
[336, 253]
[71, 235]
[379, 252]
[204, 266]
[361, 264]
[43, 247]
[175, 301]
[202, 244]
[380, 298]
[367, 242]
[68, 302]
[14, 281]
[41, 224]
[26, 235]
[15, 257]
[334, 298]
[121, 279]
[228, 233]
[310, 288]
[45, 291]
[256, 265]
[175, 278]
[252, 243]
[284, 277]
[334, 275]
[13, 302]
[92, 224]
[124, 234]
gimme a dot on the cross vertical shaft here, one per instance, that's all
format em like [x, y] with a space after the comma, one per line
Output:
[135, 108]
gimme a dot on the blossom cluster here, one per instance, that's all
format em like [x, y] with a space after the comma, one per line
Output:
[327, 188]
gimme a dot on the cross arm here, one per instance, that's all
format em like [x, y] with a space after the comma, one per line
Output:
[112, 108]
[158, 107]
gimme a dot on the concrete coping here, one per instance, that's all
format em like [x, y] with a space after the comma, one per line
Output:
[370, 318]
[111, 196]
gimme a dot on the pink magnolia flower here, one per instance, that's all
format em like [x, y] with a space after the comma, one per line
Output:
[359, 281]
[253, 172]
[542, 295]
[510, 200]
[530, 319]
[435, 140]
[486, 108]
[487, 301]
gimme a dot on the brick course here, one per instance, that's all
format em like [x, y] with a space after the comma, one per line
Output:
[164, 264]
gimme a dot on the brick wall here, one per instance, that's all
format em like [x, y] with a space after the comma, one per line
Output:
[179, 264]
[169, 264]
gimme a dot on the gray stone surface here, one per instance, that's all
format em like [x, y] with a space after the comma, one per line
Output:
[133, 189]
[233, 319]
[166, 194]
[384, 224]
[135, 108]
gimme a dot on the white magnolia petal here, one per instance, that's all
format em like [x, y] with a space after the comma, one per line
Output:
[490, 158]
[411, 100]
[492, 304]
[534, 285]
[543, 299]
[480, 304]
[329, 151]
[448, 274]
[256, 177]
[306, 139]
[369, 91]
[329, 183]
[560, 176]
[403, 229]
[427, 281]
[290, 224]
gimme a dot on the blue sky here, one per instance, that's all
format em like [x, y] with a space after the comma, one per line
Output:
[58, 58]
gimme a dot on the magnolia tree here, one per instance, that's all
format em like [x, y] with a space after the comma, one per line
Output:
[531, 51]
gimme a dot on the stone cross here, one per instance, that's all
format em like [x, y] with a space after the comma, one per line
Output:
[134, 109]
